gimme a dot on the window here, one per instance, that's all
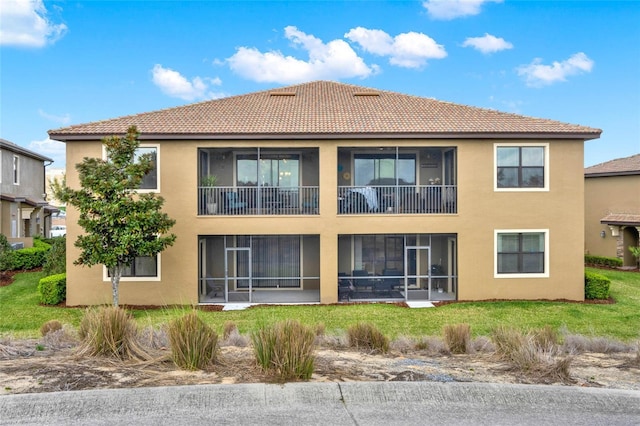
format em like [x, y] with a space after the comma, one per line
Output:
[275, 261]
[16, 170]
[150, 180]
[143, 268]
[382, 169]
[522, 253]
[521, 167]
[271, 170]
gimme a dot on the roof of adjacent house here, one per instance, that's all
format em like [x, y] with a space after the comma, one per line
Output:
[617, 167]
[621, 219]
[325, 109]
[10, 146]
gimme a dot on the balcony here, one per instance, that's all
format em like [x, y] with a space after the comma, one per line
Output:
[398, 199]
[267, 200]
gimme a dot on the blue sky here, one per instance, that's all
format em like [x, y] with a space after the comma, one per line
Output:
[68, 62]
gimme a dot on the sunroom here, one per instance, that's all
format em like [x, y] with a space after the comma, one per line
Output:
[258, 181]
[397, 267]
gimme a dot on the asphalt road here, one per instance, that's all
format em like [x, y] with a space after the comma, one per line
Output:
[354, 403]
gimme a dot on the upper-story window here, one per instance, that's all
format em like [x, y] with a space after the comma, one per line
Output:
[150, 180]
[383, 169]
[521, 167]
[16, 170]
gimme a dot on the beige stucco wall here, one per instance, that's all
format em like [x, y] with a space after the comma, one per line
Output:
[481, 211]
[605, 195]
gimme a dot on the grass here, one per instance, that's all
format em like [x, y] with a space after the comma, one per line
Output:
[22, 316]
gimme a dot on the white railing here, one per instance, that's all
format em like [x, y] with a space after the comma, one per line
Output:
[397, 199]
[266, 200]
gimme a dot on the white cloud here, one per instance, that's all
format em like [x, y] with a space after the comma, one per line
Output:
[487, 44]
[536, 74]
[52, 149]
[451, 9]
[333, 60]
[174, 84]
[409, 50]
[64, 119]
[24, 23]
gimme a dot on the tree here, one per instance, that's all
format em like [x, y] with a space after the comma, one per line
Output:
[119, 223]
[6, 256]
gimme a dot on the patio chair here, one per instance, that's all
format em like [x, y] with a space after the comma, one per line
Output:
[345, 287]
[359, 282]
[233, 203]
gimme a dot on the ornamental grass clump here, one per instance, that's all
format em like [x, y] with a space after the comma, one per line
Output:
[457, 338]
[194, 345]
[532, 354]
[367, 336]
[285, 349]
[112, 332]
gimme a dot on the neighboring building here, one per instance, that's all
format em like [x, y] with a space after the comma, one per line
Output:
[612, 208]
[329, 192]
[24, 211]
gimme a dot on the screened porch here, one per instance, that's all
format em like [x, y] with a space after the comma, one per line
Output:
[259, 269]
[390, 267]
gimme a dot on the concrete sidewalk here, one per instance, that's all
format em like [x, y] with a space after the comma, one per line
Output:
[354, 403]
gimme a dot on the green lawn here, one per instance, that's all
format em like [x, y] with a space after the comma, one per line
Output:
[22, 316]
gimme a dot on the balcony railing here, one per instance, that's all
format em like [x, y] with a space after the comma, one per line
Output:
[397, 199]
[266, 200]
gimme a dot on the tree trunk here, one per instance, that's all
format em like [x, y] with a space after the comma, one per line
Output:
[116, 273]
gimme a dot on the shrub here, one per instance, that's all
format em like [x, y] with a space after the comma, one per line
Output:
[546, 337]
[110, 331]
[285, 349]
[6, 255]
[30, 258]
[457, 338]
[609, 262]
[50, 326]
[368, 336]
[194, 344]
[596, 286]
[55, 261]
[53, 289]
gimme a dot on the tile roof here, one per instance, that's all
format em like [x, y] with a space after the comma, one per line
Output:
[326, 109]
[619, 166]
[621, 219]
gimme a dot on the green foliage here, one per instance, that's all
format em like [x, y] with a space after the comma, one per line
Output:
[112, 332]
[30, 258]
[56, 258]
[457, 338]
[367, 336]
[285, 349]
[194, 344]
[635, 251]
[6, 255]
[53, 289]
[596, 286]
[609, 262]
[209, 180]
[120, 224]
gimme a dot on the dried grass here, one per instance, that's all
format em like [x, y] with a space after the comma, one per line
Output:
[49, 326]
[457, 337]
[285, 350]
[110, 331]
[194, 344]
[228, 328]
[367, 336]
[235, 339]
[577, 344]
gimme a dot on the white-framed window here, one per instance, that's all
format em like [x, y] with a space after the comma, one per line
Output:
[16, 170]
[143, 268]
[521, 253]
[151, 181]
[521, 167]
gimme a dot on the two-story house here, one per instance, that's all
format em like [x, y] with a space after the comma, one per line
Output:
[612, 208]
[24, 211]
[329, 192]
